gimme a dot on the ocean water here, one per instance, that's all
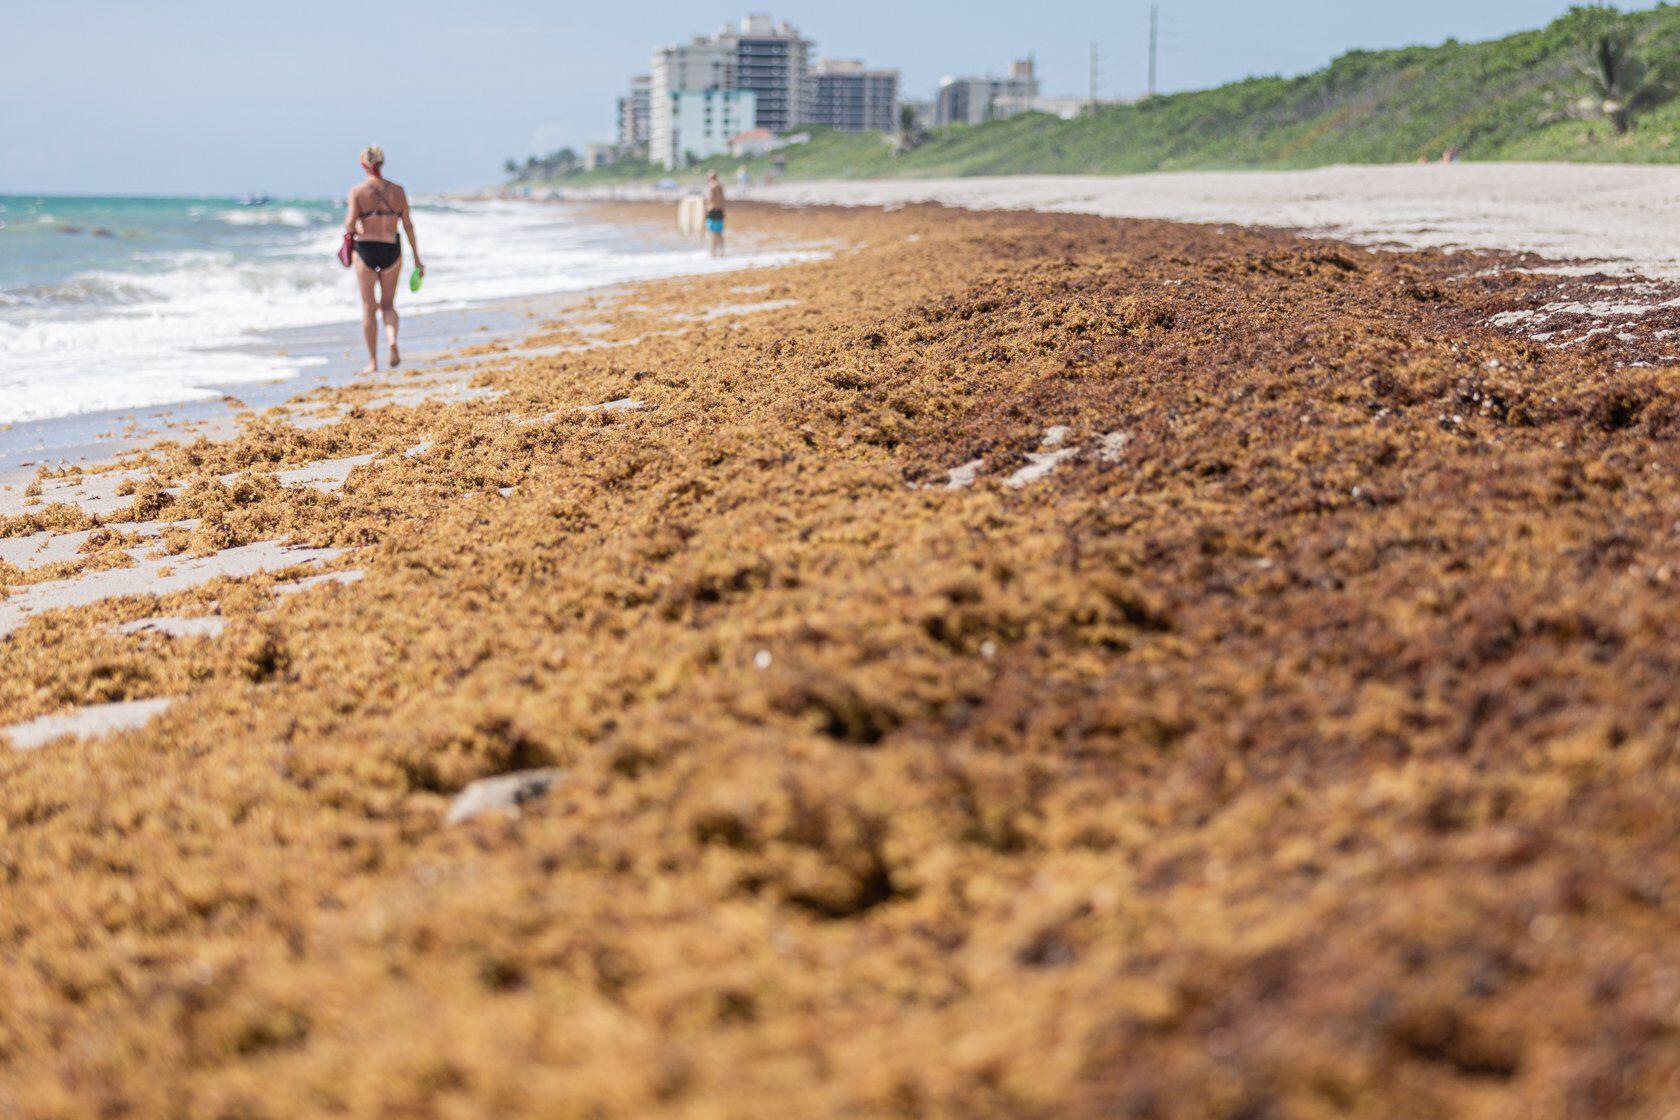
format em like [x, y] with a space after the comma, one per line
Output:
[123, 303]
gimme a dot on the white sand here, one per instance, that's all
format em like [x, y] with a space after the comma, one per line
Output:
[622, 404]
[1050, 454]
[169, 626]
[325, 475]
[37, 550]
[158, 576]
[154, 574]
[84, 723]
[961, 478]
[734, 310]
[504, 794]
[456, 391]
[1053, 451]
[330, 475]
[308, 583]
[1625, 214]
[212, 626]
[96, 494]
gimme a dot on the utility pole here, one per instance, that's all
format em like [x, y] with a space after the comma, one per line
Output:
[1093, 76]
[1154, 45]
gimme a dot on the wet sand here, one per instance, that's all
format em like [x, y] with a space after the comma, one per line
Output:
[1027, 665]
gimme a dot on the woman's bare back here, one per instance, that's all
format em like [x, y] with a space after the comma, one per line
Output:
[380, 205]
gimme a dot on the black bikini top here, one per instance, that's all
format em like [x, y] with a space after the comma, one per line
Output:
[384, 202]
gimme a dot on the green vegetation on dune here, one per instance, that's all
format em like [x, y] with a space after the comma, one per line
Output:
[1513, 98]
[1508, 98]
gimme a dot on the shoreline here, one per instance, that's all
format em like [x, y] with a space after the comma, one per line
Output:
[1020, 664]
[333, 351]
[88, 439]
[329, 352]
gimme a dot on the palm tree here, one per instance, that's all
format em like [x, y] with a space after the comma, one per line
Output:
[910, 135]
[1619, 81]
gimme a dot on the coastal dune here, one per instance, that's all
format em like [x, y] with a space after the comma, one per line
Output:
[1022, 665]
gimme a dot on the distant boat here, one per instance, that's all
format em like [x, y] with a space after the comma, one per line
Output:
[255, 200]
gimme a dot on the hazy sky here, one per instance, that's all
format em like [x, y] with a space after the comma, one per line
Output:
[183, 96]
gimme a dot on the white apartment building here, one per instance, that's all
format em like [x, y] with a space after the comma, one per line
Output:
[694, 67]
[977, 100]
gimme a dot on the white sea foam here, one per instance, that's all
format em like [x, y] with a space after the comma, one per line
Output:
[110, 340]
[268, 216]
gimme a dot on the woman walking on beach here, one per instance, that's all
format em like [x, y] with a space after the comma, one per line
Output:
[376, 206]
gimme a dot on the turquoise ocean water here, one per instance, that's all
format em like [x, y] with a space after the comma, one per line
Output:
[123, 303]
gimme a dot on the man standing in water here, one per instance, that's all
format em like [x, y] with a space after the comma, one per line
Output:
[714, 211]
[376, 206]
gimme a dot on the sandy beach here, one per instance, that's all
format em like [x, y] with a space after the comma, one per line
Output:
[1628, 215]
[1024, 664]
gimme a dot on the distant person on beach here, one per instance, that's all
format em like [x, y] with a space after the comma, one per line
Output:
[714, 211]
[376, 206]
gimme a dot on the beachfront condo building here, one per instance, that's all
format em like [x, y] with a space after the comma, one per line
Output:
[852, 99]
[764, 57]
[773, 61]
[977, 100]
[635, 118]
[705, 121]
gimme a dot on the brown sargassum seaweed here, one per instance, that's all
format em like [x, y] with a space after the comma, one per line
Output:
[1303, 745]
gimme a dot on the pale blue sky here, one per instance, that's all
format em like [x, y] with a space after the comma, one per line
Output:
[186, 96]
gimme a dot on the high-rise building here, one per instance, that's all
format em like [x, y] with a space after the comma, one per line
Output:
[774, 61]
[977, 100]
[853, 99]
[696, 67]
[635, 118]
[761, 56]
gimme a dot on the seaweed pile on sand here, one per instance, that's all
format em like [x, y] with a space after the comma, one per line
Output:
[1031, 666]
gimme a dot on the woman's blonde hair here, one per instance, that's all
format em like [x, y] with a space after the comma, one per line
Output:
[373, 155]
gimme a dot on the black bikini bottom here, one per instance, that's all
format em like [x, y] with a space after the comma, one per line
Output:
[379, 255]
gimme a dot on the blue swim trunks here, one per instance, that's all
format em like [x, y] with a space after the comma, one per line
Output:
[714, 221]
